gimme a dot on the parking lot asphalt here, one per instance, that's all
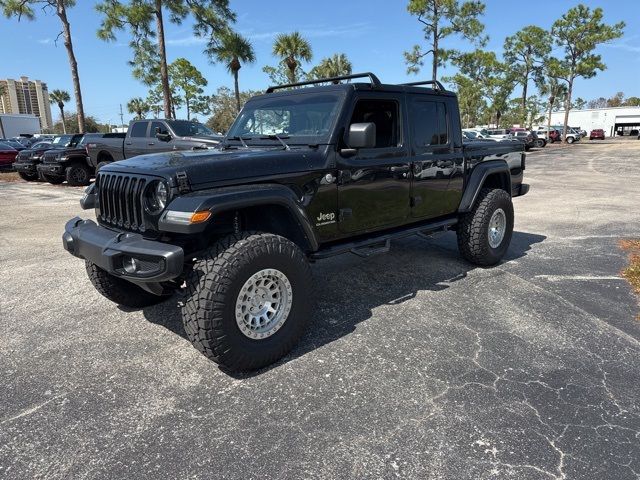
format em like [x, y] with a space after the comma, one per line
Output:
[416, 365]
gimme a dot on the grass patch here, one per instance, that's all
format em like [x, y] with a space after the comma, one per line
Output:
[632, 272]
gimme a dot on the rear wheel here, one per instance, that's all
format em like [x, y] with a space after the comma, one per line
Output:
[78, 175]
[29, 177]
[570, 139]
[247, 300]
[539, 143]
[485, 232]
[119, 290]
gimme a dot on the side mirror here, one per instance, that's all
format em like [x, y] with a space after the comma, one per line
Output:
[362, 135]
[163, 137]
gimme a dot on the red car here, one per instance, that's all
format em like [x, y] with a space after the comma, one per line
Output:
[598, 134]
[7, 155]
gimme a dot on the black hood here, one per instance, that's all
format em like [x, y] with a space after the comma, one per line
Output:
[214, 166]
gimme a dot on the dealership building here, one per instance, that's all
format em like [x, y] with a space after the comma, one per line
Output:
[614, 120]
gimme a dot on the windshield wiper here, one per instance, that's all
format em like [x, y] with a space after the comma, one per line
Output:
[273, 136]
[240, 139]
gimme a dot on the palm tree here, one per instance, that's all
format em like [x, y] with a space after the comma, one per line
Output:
[336, 66]
[139, 107]
[232, 50]
[292, 49]
[60, 97]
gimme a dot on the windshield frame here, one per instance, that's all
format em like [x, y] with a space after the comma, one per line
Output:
[261, 140]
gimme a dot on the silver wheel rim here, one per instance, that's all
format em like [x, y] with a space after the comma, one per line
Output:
[263, 304]
[497, 228]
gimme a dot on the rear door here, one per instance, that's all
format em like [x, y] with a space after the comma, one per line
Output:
[137, 140]
[437, 162]
[374, 184]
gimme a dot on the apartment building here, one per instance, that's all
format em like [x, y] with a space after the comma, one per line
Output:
[26, 96]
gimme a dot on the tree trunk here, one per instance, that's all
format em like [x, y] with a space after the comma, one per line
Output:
[186, 101]
[551, 102]
[237, 87]
[164, 71]
[66, 31]
[434, 66]
[524, 97]
[64, 127]
[567, 107]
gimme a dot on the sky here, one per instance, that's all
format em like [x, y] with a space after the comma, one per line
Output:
[372, 33]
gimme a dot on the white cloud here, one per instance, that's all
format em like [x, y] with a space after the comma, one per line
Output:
[45, 41]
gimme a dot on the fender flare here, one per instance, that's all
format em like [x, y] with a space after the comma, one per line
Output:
[224, 199]
[478, 176]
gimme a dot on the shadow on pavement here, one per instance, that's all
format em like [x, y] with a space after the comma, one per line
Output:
[412, 265]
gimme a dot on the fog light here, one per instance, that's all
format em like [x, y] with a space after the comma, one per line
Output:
[130, 265]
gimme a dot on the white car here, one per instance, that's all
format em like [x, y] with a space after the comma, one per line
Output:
[476, 134]
[500, 134]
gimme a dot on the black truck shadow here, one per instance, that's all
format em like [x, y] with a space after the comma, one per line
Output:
[348, 288]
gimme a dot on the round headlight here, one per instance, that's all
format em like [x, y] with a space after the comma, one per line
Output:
[157, 197]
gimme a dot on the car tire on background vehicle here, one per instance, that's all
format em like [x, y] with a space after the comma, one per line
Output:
[78, 175]
[53, 180]
[28, 177]
[570, 140]
[539, 143]
[223, 300]
[485, 232]
[118, 290]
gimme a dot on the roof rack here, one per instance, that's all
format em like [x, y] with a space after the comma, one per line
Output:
[435, 83]
[375, 82]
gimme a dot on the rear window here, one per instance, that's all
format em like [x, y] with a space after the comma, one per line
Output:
[139, 129]
[428, 123]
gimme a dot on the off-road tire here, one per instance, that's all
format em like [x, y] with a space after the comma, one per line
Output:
[28, 177]
[570, 140]
[539, 143]
[473, 228]
[212, 289]
[118, 290]
[52, 179]
[78, 175]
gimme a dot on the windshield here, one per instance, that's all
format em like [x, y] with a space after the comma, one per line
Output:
[63, 141]
[305, 117]
[189, 129]
[41, 145]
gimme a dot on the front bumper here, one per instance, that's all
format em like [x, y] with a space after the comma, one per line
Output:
[112, 251]
[25, 167]
[54, 169]
[520, 190]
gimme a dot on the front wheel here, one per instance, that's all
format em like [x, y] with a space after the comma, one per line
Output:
[78, 175]
[485, 232]
[120, 291]
[247, 300]
[570, 140]
[29, 177]
[539, 143]
[53, 180]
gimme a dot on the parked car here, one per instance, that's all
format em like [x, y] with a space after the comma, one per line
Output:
[500, 134]
[8, 155]
[328, 170]
[151, 136]
[71, 163]
[476, 134]
[551, 136]
[27, 161]
[525, 137]
[596, 134]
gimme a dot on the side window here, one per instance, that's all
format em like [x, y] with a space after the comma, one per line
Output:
[384, 113]
[157, 127]
[428, 123]
[139, 129]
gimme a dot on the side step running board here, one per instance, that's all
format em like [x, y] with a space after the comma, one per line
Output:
[382, 242]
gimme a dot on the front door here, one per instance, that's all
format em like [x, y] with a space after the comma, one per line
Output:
[436, 160]
[374, 184]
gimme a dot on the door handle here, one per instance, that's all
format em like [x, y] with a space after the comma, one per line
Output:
[150, 143]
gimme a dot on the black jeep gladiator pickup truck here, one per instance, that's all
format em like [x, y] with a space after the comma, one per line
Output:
[303, 174]
[151, 136]
[27, 161]
[71, 163]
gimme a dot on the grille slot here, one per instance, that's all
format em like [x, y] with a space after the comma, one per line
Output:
[121, 200]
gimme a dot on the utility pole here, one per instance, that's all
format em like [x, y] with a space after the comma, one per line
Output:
[121, 116]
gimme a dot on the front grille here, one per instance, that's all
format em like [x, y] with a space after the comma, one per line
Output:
[23, 156]
[121, 199]
[50, 158]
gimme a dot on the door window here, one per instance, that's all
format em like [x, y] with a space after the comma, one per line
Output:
[161, 128]
[428, 124]
[139, 129]
[384, 114]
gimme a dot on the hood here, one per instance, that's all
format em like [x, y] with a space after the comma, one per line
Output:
[213, 166]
